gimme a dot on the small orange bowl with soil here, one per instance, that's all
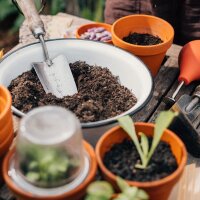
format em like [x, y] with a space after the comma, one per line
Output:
[146, 36]
[116, 156]
[95, 31]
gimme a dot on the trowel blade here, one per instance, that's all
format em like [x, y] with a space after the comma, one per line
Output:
[57, 78]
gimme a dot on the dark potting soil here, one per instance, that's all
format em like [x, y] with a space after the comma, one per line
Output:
[100, 95]
[122, 157]
[142, 39]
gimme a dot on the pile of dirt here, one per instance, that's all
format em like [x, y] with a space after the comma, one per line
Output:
[100, 95]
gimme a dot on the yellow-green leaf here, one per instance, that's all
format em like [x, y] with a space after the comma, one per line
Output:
[144, 144]
[123, 185]
[162, 122]
[127, 124]
[100, 189]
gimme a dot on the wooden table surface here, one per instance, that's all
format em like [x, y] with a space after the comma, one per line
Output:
[165, 82]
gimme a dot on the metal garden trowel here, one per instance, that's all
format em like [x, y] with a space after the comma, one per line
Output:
[55, 75]
[189, 62]
[187, 124]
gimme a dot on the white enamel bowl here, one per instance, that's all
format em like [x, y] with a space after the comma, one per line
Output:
[132, 72]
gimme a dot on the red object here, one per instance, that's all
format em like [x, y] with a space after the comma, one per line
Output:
[189, 62]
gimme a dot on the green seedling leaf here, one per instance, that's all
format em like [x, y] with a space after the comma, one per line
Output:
[127, 124]
[162, 122]
[144, 144]
[142, 195]
[131, 192]
[62, 164]
[122, 197]
[33, 176]
[33, 166]
[101, 189]
[44, 176]
[123, 185]
[51, 165]
[139, 166]
[91, 197]
[54, 169]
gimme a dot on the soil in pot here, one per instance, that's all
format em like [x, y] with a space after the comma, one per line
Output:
[100, 95]
[122, 158]
[142, 39]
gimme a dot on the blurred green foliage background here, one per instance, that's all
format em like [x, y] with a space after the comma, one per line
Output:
[11, 19]
[90, 9]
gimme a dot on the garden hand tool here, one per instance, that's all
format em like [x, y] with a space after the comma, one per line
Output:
[187, 124]
[195, 100]
[189, 62]
[55, 75]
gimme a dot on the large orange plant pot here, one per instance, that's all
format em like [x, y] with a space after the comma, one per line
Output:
[152, 55]
[159, 189]
[6, 124]
[75, 194]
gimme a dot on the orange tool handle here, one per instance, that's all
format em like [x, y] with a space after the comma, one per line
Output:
[189, 62]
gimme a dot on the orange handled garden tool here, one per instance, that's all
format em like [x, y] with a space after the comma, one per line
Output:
[189, 62]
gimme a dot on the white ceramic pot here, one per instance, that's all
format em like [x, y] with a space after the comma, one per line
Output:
[132, 72]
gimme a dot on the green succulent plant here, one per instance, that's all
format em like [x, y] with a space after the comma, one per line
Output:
[46, 166]
[102, 190]
[144, 150]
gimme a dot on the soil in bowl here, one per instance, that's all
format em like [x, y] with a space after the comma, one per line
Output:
[122, 158]
[100, 95]
[145, 39]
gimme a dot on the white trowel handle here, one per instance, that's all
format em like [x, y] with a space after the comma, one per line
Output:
[30, 12]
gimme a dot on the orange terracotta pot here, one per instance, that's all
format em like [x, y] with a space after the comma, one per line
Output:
[1, 174]
[6, 131]
[82, 29]
[152, 55]
[159, 189]
[5, 106]
[75, 194]
[4, 148]
[6, 125]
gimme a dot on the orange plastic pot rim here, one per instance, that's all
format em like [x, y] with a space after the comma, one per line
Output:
[8, 102]
[6, 131]
[151, 48]
[143, 184]
[4, 146]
